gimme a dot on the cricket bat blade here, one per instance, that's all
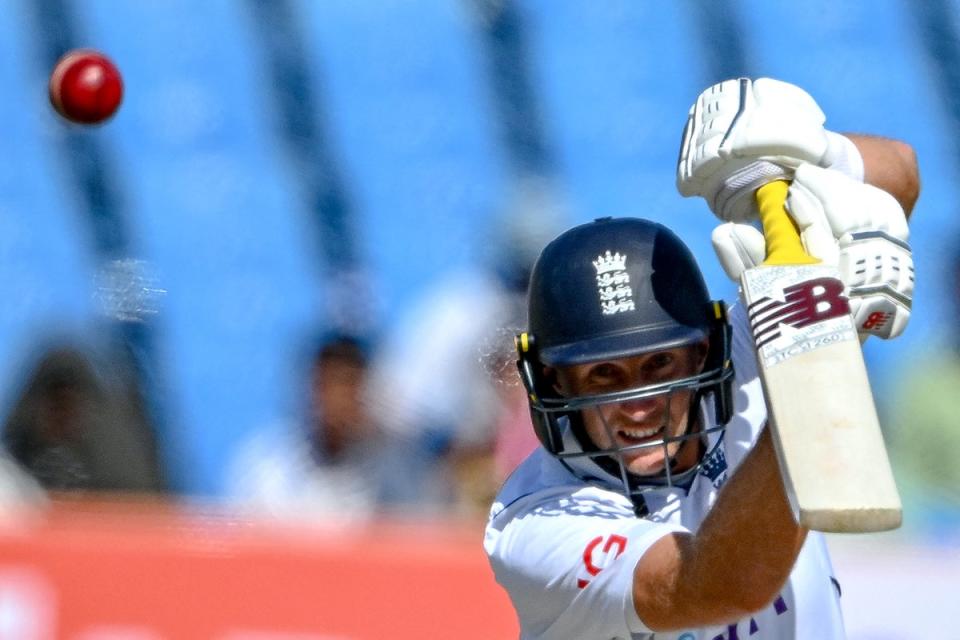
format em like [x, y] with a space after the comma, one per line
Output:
[825, 428]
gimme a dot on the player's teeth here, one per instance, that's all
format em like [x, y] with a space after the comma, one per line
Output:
[640, 433]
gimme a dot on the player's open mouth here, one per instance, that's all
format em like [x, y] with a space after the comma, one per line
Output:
[637, 436]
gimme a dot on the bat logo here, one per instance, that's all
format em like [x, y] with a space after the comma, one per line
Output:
[876, 321]
[803, 304]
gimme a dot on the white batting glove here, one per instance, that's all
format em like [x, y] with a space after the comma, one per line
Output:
[739, 247]
[857, 228]
[741, 134]
[862, 230]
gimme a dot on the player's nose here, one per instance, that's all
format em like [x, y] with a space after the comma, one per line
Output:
[638, 409]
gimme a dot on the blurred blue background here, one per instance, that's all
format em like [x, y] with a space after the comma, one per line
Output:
[280, 168]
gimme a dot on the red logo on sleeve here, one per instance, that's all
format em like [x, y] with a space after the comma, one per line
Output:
[596, 558]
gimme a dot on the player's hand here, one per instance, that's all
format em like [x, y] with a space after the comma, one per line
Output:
[739, 247]
[857, 228]
[863, 231]
[741, 134]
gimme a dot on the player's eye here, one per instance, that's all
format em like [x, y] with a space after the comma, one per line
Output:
[604, 374]
[661, 361]
[660, 367]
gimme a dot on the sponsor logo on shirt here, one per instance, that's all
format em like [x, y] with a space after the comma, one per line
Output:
[599, 553]
[715, 466]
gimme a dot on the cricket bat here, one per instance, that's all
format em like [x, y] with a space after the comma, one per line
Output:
[824, 424]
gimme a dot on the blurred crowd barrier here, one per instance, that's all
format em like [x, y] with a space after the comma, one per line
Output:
[134, 570]
[140, 569]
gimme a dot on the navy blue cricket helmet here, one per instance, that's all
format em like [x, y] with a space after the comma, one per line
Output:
[610, 289]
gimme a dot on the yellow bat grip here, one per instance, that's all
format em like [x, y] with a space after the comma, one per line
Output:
[779, 232]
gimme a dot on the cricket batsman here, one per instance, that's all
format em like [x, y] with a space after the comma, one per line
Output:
[655, 507]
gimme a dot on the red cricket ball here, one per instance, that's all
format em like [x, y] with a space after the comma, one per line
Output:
[85, 87]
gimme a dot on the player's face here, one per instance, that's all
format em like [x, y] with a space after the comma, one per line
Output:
[338, 406]
[641, 421]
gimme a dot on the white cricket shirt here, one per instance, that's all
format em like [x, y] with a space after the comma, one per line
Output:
[565, 550]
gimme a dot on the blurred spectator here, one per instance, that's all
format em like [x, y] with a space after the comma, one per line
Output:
[480, 468]
[924, 431]
[326, 466]
[73, 430]
[445, 382]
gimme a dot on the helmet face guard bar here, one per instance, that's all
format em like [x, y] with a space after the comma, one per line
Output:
[695, 382]
[554, 407]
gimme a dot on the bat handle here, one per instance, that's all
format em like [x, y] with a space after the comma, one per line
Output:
[779, 232]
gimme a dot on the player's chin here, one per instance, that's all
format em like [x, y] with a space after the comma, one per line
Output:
[646, 462]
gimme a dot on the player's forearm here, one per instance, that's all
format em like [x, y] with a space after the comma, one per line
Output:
[751, 528]
[736, 563]
[890, 165]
